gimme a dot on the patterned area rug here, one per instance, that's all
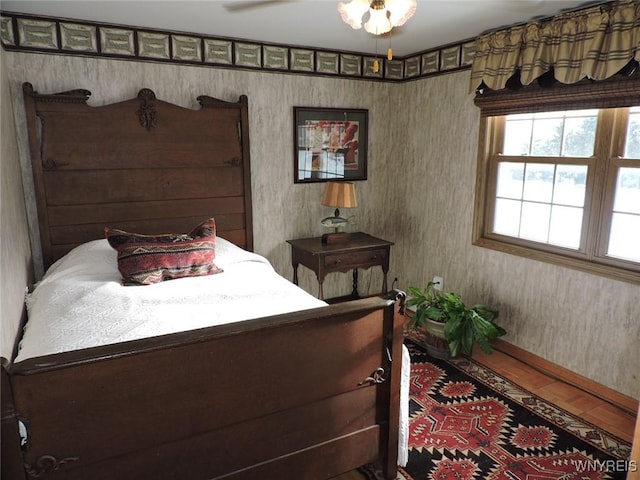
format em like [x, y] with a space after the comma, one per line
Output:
[469, 423]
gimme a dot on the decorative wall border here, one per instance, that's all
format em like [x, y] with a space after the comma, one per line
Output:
[29, 33]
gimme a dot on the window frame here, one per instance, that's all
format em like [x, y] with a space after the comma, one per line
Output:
[599, 196]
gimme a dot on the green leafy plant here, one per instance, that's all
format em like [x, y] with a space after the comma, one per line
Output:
[464, 326]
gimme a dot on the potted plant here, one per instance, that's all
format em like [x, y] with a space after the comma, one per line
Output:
[448, 322]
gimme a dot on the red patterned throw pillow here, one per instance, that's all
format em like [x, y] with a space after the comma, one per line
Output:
[148, 259]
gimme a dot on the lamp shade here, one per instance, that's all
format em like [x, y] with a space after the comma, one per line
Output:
[339, 194]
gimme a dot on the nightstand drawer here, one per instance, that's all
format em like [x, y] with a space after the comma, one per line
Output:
[355, 259]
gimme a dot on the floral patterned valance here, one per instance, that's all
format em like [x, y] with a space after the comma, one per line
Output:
[593, 43]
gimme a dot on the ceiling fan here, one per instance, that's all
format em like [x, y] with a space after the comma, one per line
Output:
[513, 5]
[243, 5]
[378, 17]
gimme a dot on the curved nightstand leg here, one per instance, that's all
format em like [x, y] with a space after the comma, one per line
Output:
[384, 280]
[295, 273]
[320, 292]
[354, 292]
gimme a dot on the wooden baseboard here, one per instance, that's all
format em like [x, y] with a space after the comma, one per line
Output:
[620, 400]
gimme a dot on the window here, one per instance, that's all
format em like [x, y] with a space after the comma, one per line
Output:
[563, 186]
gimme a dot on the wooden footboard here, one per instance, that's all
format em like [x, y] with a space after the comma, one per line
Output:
[306, 395]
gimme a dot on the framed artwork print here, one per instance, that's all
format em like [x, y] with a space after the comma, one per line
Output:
[329, 144]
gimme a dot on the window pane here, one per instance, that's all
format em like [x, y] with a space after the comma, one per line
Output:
[552, 209]
[632, 149]
[538, 182]
[551, 134]
[570, 185]
[507, 217]
[510, 180]
[627, 196]
[535, 221]
[623, 240]
[547, 136]
[517, 136]
[566, 226]
[579, 136]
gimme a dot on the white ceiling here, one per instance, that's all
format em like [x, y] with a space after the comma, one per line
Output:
[310, 23]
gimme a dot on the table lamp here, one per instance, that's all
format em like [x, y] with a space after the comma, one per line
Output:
[337, 194]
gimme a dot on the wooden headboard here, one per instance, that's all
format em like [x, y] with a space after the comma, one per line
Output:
[142, 165]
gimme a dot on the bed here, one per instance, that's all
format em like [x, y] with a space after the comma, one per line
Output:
[262, 382]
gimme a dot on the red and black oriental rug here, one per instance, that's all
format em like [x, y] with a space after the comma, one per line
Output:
[469, 423]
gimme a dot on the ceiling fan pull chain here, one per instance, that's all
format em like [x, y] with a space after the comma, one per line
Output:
[376, 62]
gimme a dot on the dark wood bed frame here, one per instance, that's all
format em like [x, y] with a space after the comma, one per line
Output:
[298, 395]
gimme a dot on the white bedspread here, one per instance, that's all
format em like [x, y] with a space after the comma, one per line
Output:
[80, 302]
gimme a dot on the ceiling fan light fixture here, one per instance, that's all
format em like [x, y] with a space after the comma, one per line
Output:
[383, 15]
[352, 12]
[378, 23]
[400, 11]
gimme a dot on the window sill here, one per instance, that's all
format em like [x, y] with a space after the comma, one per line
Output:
[605, 270]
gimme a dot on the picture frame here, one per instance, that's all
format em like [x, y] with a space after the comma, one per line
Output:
[330, 144]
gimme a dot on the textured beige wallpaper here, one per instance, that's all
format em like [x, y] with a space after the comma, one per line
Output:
[15, 254]
[419, 194]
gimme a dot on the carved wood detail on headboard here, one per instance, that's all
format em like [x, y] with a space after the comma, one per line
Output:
[95, 167]
[147, 111]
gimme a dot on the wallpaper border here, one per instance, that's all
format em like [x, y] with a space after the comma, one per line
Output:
[30, 33]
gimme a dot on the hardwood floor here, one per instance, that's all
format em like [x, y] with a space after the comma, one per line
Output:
[591, 408]
[618, 421]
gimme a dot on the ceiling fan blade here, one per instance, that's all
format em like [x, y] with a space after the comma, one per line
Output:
[251, 4]
[519, 6]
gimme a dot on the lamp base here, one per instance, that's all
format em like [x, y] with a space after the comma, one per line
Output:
[333, 238]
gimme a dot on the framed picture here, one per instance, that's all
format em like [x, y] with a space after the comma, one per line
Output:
[329, 144]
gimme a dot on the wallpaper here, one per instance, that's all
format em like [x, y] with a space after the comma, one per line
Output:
[419, 195]
[15, 254]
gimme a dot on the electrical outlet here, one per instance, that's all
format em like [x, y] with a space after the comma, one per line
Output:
[438, 283]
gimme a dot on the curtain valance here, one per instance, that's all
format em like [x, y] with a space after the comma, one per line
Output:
[593, 43]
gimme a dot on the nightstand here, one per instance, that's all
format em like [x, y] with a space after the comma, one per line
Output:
[362, 251]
